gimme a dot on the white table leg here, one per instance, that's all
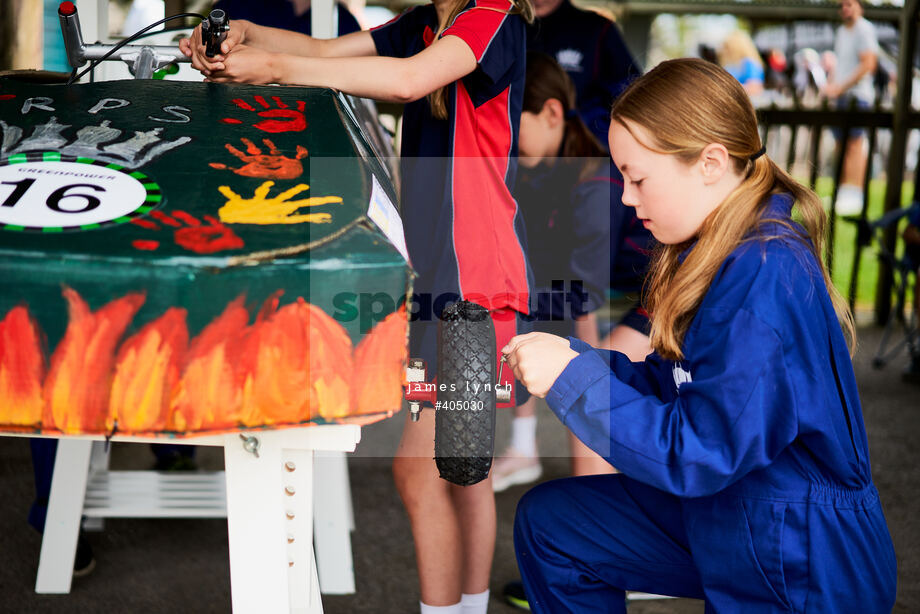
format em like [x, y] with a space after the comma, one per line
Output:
[333, 522]
[303, 579]
[62, 524]
[270, 526]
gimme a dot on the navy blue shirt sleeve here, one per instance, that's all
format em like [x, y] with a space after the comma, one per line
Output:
[347, 21]
[393, 38]
[495, 36]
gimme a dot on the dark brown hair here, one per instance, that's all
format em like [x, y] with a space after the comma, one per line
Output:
[546, 80]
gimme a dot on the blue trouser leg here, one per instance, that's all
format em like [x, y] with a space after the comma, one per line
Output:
[44, 452]
[582, 542]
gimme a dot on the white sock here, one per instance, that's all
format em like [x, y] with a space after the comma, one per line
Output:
[475, 604]
[524, 435]
[456, 608]
[850, 189]
[849, 200]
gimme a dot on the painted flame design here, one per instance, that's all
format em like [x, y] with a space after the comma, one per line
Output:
[381, 368]
[208, 393]
[146, 374]
[77, 387]
[22, 369]
[292, 365]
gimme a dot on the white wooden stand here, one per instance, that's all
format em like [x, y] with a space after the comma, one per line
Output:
[267, 500]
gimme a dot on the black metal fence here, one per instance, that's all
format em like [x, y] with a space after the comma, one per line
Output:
[811, 126]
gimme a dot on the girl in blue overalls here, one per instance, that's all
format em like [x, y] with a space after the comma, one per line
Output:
[459, 67]
[581, 240]
[746, 478]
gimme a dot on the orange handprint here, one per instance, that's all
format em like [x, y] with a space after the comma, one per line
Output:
[193, 235]
[274, 164]
[280, 119]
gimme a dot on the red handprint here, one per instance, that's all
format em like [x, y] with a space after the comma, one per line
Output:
[281, 119]
[190, 233]
[274, 165]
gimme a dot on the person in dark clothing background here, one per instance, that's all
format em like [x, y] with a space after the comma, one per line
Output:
[592, 51]
[291, 15]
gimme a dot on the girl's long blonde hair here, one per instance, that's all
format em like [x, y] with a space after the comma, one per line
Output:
[685, 105]
[437, 99]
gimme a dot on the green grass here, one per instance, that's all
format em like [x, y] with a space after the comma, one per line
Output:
[845, 243]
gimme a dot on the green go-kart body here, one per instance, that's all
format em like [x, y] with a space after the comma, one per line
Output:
[179, 258]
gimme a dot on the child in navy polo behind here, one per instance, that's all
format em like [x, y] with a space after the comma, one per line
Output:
[459, 67]
[591, 49]
[745, 467]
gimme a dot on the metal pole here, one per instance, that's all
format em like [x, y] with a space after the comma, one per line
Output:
[899, 131]
[323, 19]
[94, 19]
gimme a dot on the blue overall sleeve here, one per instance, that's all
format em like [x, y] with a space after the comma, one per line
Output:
[645, 377]
[733, 410]
[735, 416]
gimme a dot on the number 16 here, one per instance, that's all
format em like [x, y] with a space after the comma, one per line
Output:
[54, 200]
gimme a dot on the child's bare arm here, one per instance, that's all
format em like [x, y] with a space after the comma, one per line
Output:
[383, 78]
[275, 40]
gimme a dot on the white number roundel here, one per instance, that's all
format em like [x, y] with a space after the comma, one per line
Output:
[47, 192]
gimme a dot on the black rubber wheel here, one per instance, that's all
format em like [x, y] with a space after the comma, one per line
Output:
[465, 422]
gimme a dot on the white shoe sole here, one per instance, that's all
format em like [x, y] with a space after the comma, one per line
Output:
[521, 476]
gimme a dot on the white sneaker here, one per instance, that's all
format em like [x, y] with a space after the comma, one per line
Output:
[512, 468]
[849, 200]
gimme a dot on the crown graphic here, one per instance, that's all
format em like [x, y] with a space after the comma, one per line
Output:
[570, 59]
[96, 142]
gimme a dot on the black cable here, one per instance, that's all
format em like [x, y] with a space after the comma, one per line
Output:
[93, 63]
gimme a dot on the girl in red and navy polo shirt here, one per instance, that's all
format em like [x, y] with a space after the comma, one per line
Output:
[459, 67]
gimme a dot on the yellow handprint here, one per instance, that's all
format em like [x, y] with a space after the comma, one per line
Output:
[277, 210]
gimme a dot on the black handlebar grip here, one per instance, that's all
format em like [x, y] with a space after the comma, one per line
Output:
[214, 30]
